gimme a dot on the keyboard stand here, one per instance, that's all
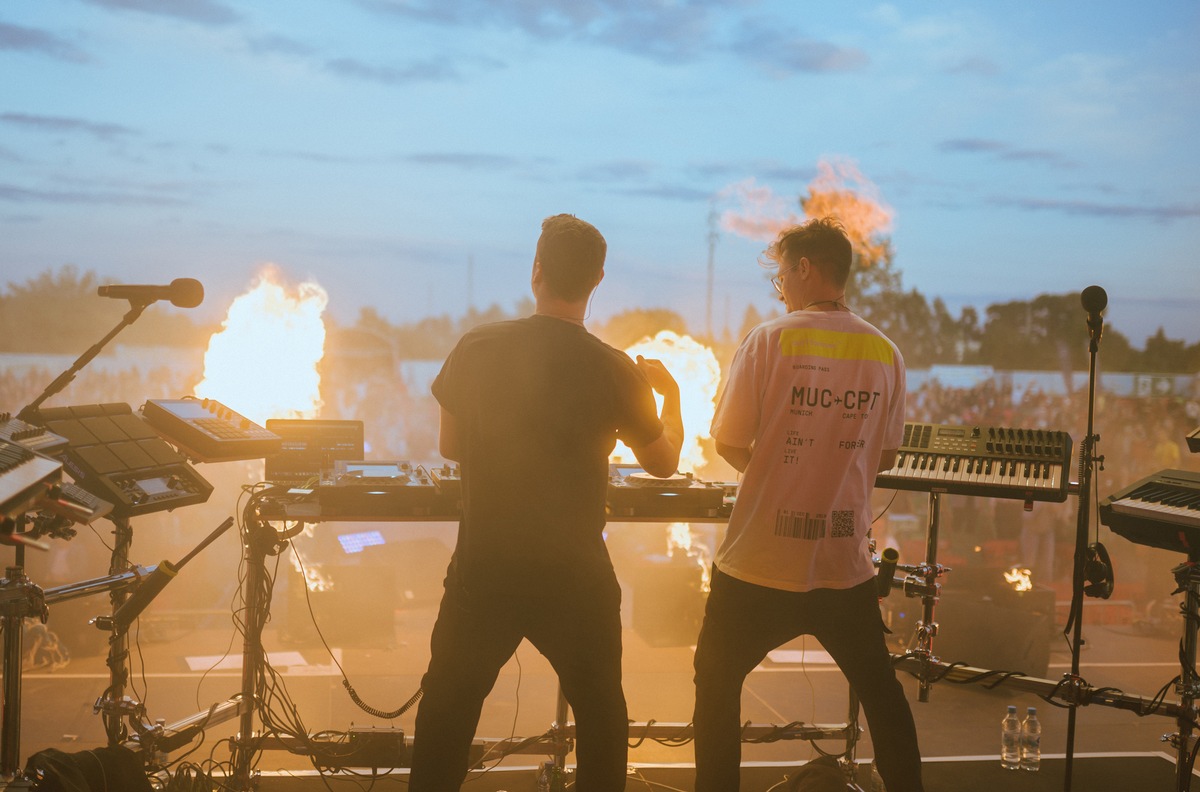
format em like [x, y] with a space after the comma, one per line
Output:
[1187, 578]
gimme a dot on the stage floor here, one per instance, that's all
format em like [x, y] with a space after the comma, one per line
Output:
[1090, 773]
[381, 642]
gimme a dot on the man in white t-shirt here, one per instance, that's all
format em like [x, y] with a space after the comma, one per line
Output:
[812, 410]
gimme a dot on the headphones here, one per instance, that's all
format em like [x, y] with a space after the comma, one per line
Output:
[1098, 571]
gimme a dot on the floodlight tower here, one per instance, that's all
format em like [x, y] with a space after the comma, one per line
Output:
[712, 252]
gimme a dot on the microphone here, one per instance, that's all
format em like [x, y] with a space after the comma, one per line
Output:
[150, 586]
[887, 570]
[147, 589]
[1094, 300]
[182, 292]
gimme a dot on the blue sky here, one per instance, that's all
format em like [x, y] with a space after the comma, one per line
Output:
[385, 148]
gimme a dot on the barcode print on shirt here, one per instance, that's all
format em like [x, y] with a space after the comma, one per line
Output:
[799, 525]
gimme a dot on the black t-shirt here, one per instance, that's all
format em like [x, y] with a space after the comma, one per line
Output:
[539, 404]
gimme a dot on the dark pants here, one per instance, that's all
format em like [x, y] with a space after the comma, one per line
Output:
[742, 622]
[576, 626]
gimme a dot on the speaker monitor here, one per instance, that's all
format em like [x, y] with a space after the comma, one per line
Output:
[358, 608]
[1002, 633]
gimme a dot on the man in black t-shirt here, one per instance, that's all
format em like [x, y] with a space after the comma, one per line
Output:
[531, 410]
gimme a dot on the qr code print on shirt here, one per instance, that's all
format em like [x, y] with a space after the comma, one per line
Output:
[843, 523]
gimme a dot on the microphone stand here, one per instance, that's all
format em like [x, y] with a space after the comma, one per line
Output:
[1087, 458]
[29, 412]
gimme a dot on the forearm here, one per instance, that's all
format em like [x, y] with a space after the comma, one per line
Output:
[661, 457]
[448, 436]
[671, 416]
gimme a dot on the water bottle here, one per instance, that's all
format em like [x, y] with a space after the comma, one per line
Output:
[1010, 740]
[1031, 740]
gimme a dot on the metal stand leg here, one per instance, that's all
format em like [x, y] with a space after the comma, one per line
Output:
[10, 746]
[853, 734]
[1187, 575]
[562, 743]
[113, 705]
[258, 537]
[926, 575]
[21, 599]
[561, 732]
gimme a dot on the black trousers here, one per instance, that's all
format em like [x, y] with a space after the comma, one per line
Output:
[576, 625]
[742, 622]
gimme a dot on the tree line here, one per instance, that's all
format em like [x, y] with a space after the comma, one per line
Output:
[58, 312]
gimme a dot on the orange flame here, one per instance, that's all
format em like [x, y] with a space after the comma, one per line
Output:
[680, 543]
[679, 537]
[1020, 579]
[263, 361]
[695, 368]
[840, 190]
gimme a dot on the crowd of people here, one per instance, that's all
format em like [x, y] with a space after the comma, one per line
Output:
[1138, 436]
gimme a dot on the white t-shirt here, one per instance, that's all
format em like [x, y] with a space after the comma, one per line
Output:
[817, 396]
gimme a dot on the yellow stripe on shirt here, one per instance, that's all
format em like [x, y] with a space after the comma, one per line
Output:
[833, 344]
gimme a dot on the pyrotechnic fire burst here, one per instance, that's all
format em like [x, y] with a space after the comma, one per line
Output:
[1019, 578]
[263, 361]
[695, 368]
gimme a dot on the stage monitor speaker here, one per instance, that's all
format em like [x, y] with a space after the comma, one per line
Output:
[419, 568]
[1001, 634]
[358, 608]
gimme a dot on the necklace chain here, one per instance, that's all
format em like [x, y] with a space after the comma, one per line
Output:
[836, 303]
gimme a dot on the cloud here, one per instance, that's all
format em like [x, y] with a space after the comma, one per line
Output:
[269, 45]
[321, 157]
[657, 30]
[1004, 151]
[418, 71]
[353, 68]
[786, 172]
[974, 64]
[670, 192]
[762, 169]
[618, 170]
[673, 31]
[23, 39]
[971, 145]
[779, 51]
[1094, 209]
[69, 125]
[466, 160]
[203, 12]
[16, 194]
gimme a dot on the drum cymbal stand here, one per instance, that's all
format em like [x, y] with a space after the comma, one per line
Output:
[118, 710]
